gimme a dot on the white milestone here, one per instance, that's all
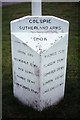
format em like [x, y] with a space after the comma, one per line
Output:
[39, 58]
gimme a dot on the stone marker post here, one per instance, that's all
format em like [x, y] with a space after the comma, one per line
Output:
[39, 58]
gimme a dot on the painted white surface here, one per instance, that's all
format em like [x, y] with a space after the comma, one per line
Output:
[39, 65]
[36, 8]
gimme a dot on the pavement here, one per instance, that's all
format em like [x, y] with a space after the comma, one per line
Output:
[10, 2]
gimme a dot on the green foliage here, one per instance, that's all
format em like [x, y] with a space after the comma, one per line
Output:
[68, 107]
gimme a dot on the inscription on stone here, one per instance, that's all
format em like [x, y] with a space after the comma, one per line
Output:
[39, 54]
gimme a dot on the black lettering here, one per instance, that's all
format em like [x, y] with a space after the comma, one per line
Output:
[21, 77]
[26, 88]
[30, 21]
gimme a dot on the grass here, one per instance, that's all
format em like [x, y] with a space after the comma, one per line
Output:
[68, 108]
[0, 62]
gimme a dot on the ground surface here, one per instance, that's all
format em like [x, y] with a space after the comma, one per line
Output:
[68, 108]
